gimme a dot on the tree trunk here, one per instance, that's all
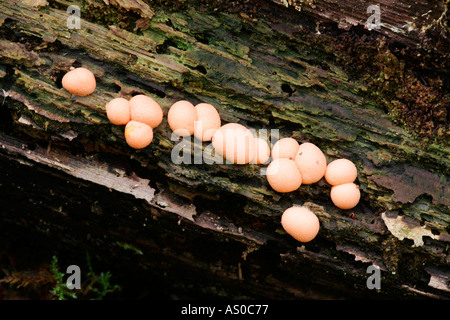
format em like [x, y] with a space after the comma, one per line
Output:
[70, 184]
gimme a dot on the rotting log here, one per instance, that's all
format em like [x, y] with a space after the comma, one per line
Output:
[70, 184]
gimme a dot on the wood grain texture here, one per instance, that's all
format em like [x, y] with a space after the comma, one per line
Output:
[405, 21]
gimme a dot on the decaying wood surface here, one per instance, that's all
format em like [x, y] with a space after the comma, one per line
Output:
[403, 21]
[307, 68]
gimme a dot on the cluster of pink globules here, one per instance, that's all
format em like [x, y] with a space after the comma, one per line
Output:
[292, 164]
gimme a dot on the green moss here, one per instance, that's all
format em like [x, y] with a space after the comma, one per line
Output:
[400, 82]
[98, 11]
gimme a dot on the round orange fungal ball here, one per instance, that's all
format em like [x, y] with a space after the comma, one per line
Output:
[181, 118]
[235, 143]
[118, 111]
[138, 135]
[285, 148]
[340, 171]
[146, 110]
[262, 151]
[345, 196]
[79, 81]
[311, 162]
[283, 175]
[301, 223]
[208, 121]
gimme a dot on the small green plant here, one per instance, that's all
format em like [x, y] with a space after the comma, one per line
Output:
[60, 291]
[103, 281]
[95, 287]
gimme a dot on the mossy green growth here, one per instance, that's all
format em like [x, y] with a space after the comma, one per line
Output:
[102, 13]
[402, 84]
